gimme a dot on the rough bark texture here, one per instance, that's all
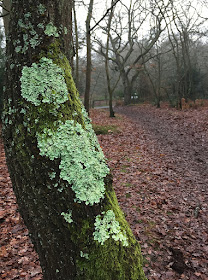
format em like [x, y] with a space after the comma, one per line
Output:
[64, 242]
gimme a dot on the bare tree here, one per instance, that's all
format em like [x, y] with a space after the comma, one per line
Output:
[125, 40]
[183, 28]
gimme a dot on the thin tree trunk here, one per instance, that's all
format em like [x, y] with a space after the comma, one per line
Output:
[110, 91]
[58, 171]
[89, 60]
[76, 45]
[6, 15]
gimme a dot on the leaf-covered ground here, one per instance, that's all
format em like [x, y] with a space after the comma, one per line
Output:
[159, 159]
[160, 167]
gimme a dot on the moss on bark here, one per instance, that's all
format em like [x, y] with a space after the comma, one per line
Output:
[111, 260]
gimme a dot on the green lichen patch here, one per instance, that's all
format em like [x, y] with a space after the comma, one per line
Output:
[30, 36]
[84, 255]
[82, 163]
[121, 262]
[65, 31]
[67, 216]
[106, 226]
[41, 25]
[51, 30]
[34, 41]
[74, 105]
[18, 49]
[41, 9]
[27, 15]
[44, 83]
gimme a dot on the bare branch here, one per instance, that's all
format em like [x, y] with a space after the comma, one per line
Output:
[4, 8]
[4, 15]
[108, 10]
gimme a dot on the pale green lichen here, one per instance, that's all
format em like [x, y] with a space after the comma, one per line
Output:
[67, 216]
[34, 41]
[41, 9]
[44, 82]
[41, 25]
[27, 15]
[18, 49]
[16, 42]
[106, 226]
[21, 24]
[65, 31]
[82, 163]
[84, 255]
[52, 175]
[26, 43]
[25, 37]
[33, 32]
[51, 30]
[30, 37]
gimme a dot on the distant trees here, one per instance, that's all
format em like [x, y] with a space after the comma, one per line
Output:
[153, 42]
[127, 49]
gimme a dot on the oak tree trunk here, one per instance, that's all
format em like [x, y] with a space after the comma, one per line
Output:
[59, 175]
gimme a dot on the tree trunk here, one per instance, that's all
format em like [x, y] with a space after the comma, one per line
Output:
[6, 15]
[127, 94]
[58, 171]
[89, 60]
[110, 91]
[112, 114]
[126, 87]
[76, 45]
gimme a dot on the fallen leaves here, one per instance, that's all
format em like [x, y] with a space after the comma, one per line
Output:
[164, 153]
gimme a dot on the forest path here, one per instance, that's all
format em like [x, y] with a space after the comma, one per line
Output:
[159, 162]
[183, 135]
[180, 184]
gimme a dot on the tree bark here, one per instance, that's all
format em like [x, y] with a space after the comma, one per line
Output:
[110, 91]
[76, 45]
[62, 184]
[127, 85]
[89, 60]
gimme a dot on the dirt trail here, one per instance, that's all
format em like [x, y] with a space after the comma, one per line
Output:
[181, 135]
[176, 143]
